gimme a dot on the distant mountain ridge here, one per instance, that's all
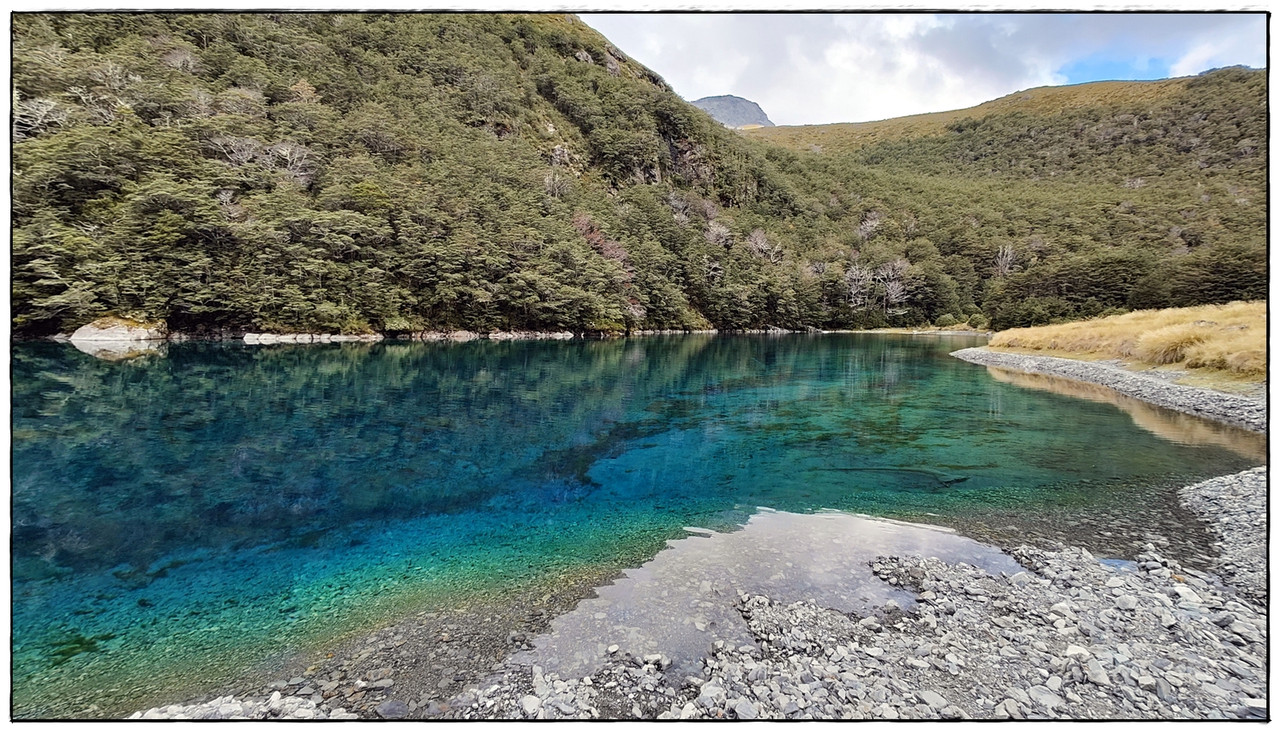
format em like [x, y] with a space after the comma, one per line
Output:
[732, 111]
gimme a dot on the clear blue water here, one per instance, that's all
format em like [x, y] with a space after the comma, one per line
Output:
[177, 519]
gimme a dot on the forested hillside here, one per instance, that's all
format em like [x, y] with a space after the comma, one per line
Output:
[1069, 201]
[397, 172]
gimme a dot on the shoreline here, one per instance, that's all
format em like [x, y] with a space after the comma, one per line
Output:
[1155, 640]
[1067, 638]
[1233, 506]
[157, 336]
[140, 342]
[1232, 409]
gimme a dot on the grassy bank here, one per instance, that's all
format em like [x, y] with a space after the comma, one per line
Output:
[1211, 344]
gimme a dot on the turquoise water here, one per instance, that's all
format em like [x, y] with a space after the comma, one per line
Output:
[177, 518]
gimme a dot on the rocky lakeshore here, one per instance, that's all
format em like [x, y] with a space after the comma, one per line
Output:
[1240, 411]
[1235, 507]
[1067, 637]
[1070, 638]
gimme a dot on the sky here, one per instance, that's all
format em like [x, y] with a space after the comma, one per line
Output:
[805, 68]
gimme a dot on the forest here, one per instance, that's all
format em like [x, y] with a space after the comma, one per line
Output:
[394, 173]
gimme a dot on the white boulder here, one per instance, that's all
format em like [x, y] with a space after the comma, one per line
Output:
[119, 329]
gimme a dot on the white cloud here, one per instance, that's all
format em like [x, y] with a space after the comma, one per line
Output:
[1215, 52]
[819, 68]
[723, 75]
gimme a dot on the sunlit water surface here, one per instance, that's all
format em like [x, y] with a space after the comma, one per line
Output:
[182, 516]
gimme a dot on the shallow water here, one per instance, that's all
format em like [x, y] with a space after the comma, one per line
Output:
[181, 516]
[683, 600]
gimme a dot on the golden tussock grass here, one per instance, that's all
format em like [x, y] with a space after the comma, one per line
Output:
[1228, 338]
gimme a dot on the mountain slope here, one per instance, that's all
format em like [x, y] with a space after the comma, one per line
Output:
[732, 111]
[1216, 120]
[1045, 100]
[1072, 200]
[358, 172]
[399, 172]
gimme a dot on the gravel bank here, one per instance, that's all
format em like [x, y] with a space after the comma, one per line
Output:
[1227, 408]
[1070, 638]
[1235, 507]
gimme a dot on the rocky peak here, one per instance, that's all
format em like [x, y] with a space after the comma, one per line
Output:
[732, 111]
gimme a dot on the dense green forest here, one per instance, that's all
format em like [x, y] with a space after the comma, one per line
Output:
[401, 172]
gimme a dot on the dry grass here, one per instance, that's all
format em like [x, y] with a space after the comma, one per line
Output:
[1229, 339]
[1170, 344]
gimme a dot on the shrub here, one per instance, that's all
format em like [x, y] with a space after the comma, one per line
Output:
[396, 323]
[946, 320]
[1252, 362]
[1032, 311]
[1229, 338]
[977, 320]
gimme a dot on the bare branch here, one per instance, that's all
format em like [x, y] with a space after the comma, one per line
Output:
[33, 116]
[858, 280]
[1006, 260]
[870, 222]
[237, 150]
[718, 233]
[758, 243]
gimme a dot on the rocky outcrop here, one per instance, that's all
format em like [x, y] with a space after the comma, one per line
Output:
[119, 329]
[457, 335]
[673, 331]
[501, 335]
[119, 339]
[732, 111]
[529, 335]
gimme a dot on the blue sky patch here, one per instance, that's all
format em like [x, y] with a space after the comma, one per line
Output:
[1109, 67]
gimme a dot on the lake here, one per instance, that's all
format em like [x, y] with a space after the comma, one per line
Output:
[181, 517]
